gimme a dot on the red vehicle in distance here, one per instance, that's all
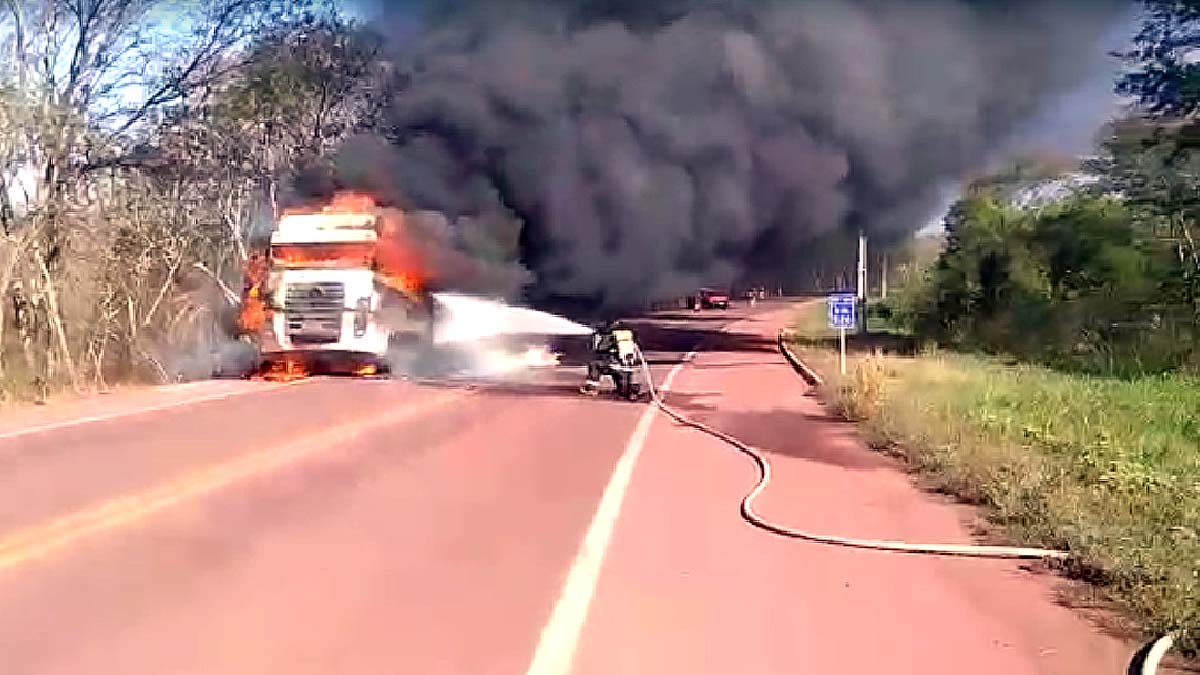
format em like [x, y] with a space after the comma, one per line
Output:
[709, 298]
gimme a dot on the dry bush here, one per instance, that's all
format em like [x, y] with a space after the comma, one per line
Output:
[860, 395]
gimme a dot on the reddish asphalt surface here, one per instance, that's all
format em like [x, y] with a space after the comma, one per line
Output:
[373, 526]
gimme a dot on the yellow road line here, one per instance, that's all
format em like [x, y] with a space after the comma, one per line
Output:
[39, 541]
[158, 407]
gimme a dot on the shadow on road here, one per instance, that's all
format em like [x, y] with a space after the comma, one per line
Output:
[554, 383]
[727, 365]
[723, 318]
[819, 438]
[689, 403]
[686, 338]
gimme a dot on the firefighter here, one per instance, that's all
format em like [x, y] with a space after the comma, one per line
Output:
[612, 345]
[604, 346]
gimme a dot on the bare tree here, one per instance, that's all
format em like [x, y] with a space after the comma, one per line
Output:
[87, 94]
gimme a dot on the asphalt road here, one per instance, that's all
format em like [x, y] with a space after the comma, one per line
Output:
[374, 526]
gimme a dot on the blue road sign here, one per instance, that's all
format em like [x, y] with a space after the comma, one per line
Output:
[841, 310]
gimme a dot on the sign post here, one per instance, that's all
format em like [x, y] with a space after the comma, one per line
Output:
[842, 354]
[841, 317]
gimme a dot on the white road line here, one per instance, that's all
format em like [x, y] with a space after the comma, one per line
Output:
[560, 636]
[77, 421]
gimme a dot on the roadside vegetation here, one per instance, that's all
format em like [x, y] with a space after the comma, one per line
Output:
[1106, 468]
[1042, 359]
[1091, 284]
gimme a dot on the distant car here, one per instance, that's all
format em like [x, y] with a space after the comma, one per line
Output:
[709, 298]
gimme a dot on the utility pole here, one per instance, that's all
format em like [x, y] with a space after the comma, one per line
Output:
[883, 267]
[862, 283]
[862, 267]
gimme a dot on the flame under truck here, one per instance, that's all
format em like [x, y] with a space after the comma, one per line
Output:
[318, 297]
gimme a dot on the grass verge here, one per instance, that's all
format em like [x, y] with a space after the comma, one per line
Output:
[1107, 469]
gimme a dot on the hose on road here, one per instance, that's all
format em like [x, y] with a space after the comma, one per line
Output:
[1153, 653]
[764, 479]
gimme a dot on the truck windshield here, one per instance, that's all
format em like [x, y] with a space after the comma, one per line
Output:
[335, 254]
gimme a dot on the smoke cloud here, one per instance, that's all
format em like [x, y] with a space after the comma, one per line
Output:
[631, 150]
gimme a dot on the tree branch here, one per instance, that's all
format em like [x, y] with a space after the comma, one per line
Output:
[232, 298]
[162, 291]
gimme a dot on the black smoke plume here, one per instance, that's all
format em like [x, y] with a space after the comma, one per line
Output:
[634, 149]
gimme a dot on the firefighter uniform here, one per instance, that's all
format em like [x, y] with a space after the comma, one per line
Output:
[609, 345]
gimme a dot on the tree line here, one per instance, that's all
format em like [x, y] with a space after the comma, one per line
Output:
[1107, 279]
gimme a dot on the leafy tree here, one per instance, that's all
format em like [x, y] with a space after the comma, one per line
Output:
[1156, 168]
[1164, 75]
[310, 85]
[983, 272]
[1078, 284]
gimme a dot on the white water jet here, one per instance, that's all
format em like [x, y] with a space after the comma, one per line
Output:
[466, 318]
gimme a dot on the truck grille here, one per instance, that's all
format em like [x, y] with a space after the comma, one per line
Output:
[314, 311]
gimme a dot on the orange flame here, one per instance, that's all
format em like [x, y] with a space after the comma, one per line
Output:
[354, 254]
[397, 259]
[287, 370]
[409, 284]
[254, 312]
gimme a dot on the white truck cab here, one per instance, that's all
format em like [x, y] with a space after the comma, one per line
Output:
[322, 287]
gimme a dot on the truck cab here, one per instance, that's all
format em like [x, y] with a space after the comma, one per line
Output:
[325, 301]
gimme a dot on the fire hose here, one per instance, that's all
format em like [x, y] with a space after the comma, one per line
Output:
[1153, 653]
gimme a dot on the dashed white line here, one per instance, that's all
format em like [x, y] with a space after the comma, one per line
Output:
[560, 636]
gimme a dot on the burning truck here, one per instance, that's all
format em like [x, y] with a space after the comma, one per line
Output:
[334, 292]
[346, 288]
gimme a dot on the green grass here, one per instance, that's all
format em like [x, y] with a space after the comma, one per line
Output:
[1107, 469]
